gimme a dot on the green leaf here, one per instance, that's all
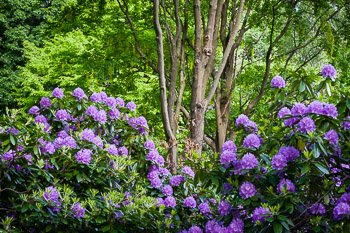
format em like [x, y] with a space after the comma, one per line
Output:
[302, 86]
[12, 139]
[305, 169]
[285, 225]
[347, 103]
[277, 227]
[323, 169]
[328, 89]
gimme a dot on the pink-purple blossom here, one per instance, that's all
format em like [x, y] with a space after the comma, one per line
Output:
[252, 141]
[328, 71]
[190, 202]
[79, 94]
[249, 161]
[247, 190]
[45, 103]
[306, 125]
[260, 214]
[57, 93]
[78, 210]
[278, 82]
[285, 186]
[83, 156]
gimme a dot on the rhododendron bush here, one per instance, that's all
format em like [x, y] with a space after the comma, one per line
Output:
[88, 163]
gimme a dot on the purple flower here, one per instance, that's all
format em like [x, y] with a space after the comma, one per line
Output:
[77, 210]
[118, 214]
[79, 94]
[278, 82]
[96, 97]
[242, 120]
[318, 209]
[164, 171]
[52, 195]
[249, 161]
[149, 144]
[83, 156]
[227, 188]
[40, 119]
[289, 152]
[62, 115]
[283, 112]
[285, 186]
[345, 198]
[48, 147]
[204, 208]
[236, 226]
[45, 102]
[260, 214]
[227, 156]
[12, 130]
[194, 229]
[346, 124]
[330, 110]
[156, 182]
[123, 151]
[188, 171]
[152, 155]
[97, 141]
[103, 96]
[214, 227]
[290, 121]
[120, 102]
[92, 111]
[160, 160]
[332, 137]
[131, 106]
[114, 113]
[224, 208]
[160, 202]
[328, 71]
[341, 210]
[34, 110]
[57, 93]
[251, 141]
[111, 102]
[176, 180]
[62, 134]
[113, 150]
[167, 190]
[229, 146]
[316, 107]
[278, 162]
[101, 116]
[190, 202]
[8, 155]
[170, 201]
[87, 135]
[247, 190]
[70, 142]
[306, 125]
[298, 109]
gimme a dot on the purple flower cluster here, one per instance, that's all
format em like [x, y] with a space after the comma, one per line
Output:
[324, 109]
[228, 154]
[285, 186]
[34, 110]
[299, 109]
[8, 155]
[278, 82]
[317, 209]
[188, 171]
[193, 229]
[78, 210]
[260, 214]
[243, 121]
[66, 141]
[328, 71]
[306, 125]
[283, 112]
[83, 156]
[131, 106]
[236, 226]
[52, 196]
[45, 103]
[346, 123]
[279, 162]
[341, 210]
[167, 190]
[176, 180]
[332, 137]
[204, 208]
[249, 161]
[79, 94]
[190, 202]
[289, 152]
[46, 147]
[252, 141]
[247, 190]
[155, 157]
[170, 201]
[224, 208]
[149, 145]
[57, 93]
[62, 115]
